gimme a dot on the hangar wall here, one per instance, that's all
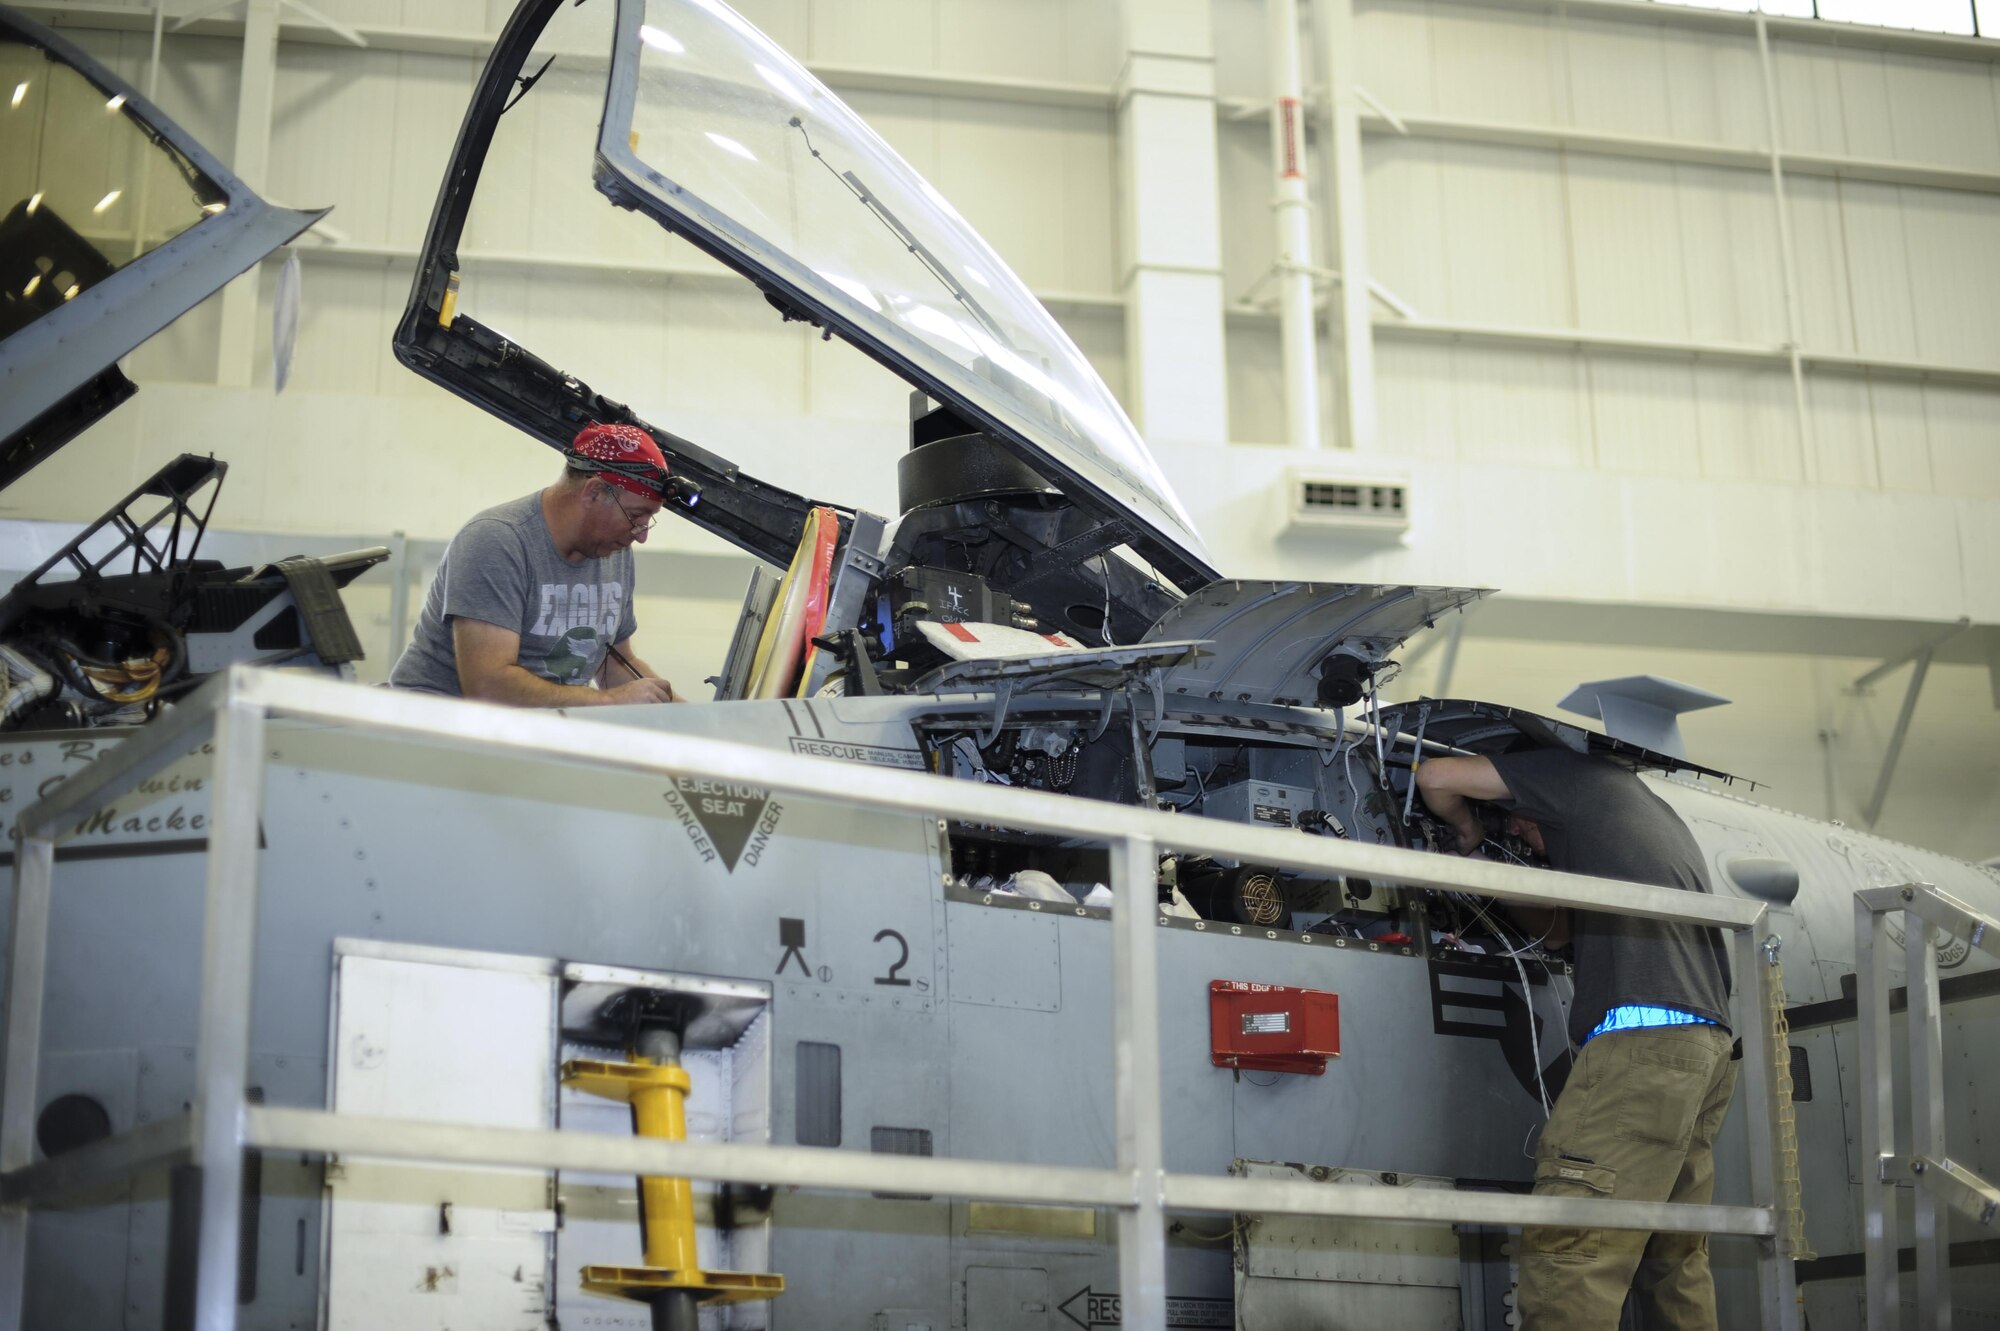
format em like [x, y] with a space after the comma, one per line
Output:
[1592, 400]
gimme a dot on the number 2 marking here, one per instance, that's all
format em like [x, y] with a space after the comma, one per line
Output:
[902, 961]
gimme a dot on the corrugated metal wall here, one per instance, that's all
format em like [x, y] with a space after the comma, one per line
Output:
[1499, 237]
[1507, 236]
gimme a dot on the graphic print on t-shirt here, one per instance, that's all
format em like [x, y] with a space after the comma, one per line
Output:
[583, 619]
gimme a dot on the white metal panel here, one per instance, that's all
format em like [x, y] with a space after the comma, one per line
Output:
[449, 1043]
[1064, 41]
[567, 217]
[1819, 246]
[1497, 63]
[1242, 55]
[1873, 223]
[726, 352]
[1406, 222]
[1174, 343]
[365, 11]
[1523, 407]
[1732, 267]
[1902, 437]
[1617, 76]
[1680, 538]
[1716, 88]
[1013, 170]
[74, 483]
[1843, 433]
[1979, 547]
[1169, 219]
[630, 338]
[1943, 111]
[787, 22]
[1644, 415]
[1164, 174]
[1416, 417]
[1506, 236]
[1628, 257]
[893, 34]
[1256, 384]
[456, 15]
[1748, 424]
[1869, 545]
[1954, 274]
[1394, 61]
[1964, 429]
[430, 97]
[1862, 106]
[1249, 247]
[346, 314]
[1809, 96]
[1534, 521]
[333, 125]
[535, 194]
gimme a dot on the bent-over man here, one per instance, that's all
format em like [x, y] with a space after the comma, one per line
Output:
[1638, 1115]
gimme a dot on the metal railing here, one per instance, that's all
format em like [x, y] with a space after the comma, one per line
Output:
[1941, 1183]
[232, 712]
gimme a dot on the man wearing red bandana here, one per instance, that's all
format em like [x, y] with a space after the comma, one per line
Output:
[532, 603]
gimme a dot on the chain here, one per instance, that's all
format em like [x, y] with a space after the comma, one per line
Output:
[1788, 1128]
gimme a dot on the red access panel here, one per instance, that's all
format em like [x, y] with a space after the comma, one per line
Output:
[1272, 1027]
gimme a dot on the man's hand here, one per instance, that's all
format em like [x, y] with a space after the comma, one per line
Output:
[1448, 784]
[621, 669]
[489, 670]
[638, 690]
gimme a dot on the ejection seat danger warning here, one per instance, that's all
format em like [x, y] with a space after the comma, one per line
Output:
[725, 821]
[1090, 1308]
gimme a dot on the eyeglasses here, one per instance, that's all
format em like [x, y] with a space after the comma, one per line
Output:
[642, 523]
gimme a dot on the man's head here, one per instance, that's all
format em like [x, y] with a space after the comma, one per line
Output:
[622, 477]
[1528, 830]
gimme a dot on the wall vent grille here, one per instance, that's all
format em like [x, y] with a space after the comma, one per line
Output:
[1329, 502]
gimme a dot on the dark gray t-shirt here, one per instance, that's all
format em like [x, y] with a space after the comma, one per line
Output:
[1598, 818]
[503, 568]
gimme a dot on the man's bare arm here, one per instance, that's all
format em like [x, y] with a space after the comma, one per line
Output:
[1448, 784]
[489, 670]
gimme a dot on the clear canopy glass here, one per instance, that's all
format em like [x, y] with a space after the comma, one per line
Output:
[85, 186]
[735, 139]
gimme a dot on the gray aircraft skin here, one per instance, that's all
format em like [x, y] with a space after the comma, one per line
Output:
[880, 981]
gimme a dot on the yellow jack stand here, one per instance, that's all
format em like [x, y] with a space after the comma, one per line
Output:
[672, 1280]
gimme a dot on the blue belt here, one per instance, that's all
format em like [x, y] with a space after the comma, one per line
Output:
[1638, 1016]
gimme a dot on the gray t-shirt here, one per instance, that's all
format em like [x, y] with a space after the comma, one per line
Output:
[503, 568]
[1598, 818]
